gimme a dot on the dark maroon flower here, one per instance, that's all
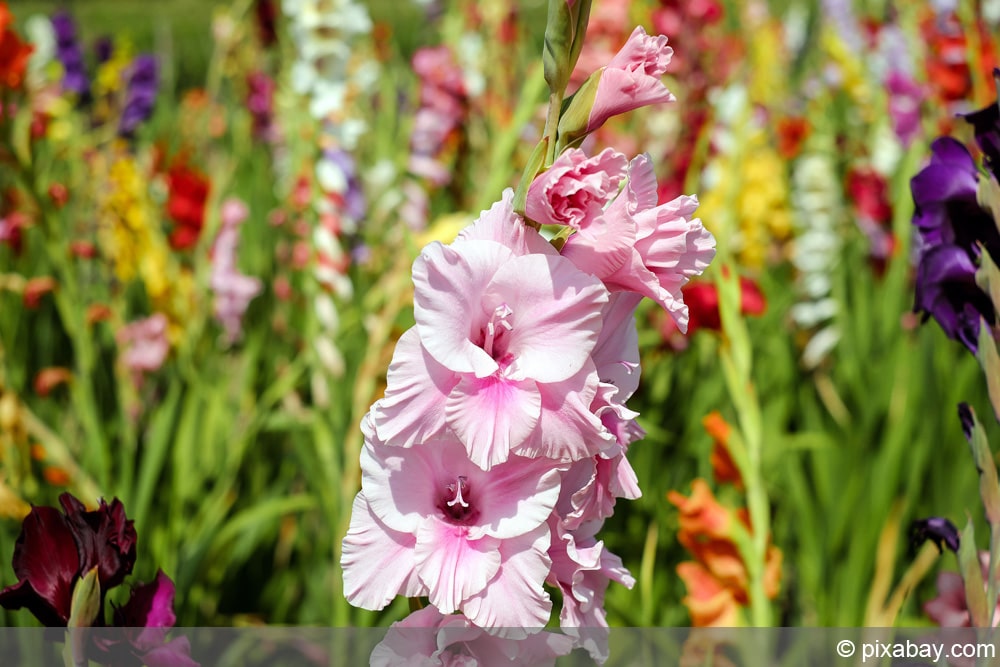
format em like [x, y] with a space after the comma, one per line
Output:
[938, 530]
[946, 290]
[54, 550]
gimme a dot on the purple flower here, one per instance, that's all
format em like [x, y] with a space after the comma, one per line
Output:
[905, 96]
[938, 530]
[55, 549]
[141, 94]
[946, 290]
[944, 195]
[70, 55]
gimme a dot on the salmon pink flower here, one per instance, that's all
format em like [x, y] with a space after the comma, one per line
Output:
[429, 521]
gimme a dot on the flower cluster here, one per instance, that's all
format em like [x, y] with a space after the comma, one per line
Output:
[499, 447]
[57, 552]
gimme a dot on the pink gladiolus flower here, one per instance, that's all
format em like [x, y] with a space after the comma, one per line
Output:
[427, 637]
[145, 343]
[428, 521]
[233, 290]
[632, 78]
[501, 345]
[582, 568]
[575, 189]
[950, 609]
[640, 247]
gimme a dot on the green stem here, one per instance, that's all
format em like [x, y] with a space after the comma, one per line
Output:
[552, 125]
[991, 584]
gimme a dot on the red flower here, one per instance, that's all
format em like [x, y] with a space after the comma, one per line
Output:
[13, 52]
[188, 192]
[702, 299]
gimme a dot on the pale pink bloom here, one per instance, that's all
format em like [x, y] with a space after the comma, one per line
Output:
[428, 521]
[576, 188]
[145, 344]
[632, 78]
[233, 290]
[582, 568]
[640, 247]
[502, 335]
[949, 609]
[427, 638]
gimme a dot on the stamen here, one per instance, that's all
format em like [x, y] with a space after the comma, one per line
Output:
[499, 318]
[457, 489]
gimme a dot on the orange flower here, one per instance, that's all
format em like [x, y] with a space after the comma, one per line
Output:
[792, 134]
[50, 378]
[56, 476]
[35, 289]
[13, 52]
[709, 602]
[717, 581]
[723, 466]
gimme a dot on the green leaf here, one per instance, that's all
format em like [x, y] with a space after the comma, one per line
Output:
[989, 359]
[989, 488]
[535, 162]
[86, 603]
[972, 576]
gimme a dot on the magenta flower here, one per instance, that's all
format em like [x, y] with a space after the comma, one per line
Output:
[146, 620]
[640, 247]
[55, 549]
[575, 189]
[950, 609]
[428, 521]
[426, 637]
[503, 334]
[632, 79]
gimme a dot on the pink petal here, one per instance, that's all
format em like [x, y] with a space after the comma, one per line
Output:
[515, 604]
[567, 429]
[378, 562]
[451, 566]
[399, 484]
[516, 497]
[412, 409]
[616, 353]
[556, 315]
[449, 282]
[492, 415]
[604, 246]
[501, 224]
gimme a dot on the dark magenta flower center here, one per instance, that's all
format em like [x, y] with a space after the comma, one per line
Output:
[456, 502]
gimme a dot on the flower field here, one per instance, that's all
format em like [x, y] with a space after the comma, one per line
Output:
[498, 316]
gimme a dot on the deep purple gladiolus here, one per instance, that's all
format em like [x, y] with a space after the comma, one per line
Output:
[141, 95]
[70, 55]
[938, 530]
[946, 290]
[952, 227]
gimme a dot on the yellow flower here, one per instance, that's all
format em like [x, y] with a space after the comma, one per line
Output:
[758, 185]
